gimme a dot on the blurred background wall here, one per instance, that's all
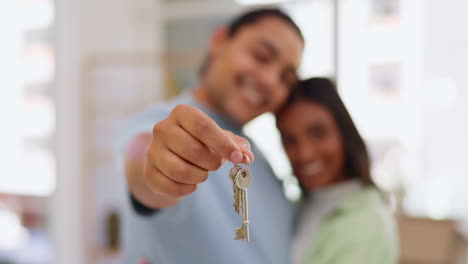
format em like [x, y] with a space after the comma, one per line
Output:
[72, 71]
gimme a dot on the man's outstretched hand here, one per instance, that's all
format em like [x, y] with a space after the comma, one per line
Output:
[166, 165]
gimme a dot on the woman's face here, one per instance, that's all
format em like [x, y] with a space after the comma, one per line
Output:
[313, 144]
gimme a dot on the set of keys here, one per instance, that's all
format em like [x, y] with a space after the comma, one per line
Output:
[241, 179]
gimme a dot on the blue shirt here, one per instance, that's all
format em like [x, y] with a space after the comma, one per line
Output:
[200, 229]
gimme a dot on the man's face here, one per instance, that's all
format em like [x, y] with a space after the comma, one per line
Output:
[252, 72]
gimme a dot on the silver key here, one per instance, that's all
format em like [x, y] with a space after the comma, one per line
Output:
[241, 179]
[235, 189]
[243, 232]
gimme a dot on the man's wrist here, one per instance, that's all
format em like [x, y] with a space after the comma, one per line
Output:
[140, 208]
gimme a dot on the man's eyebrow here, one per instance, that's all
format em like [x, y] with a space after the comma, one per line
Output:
[275, 53]
[270, 47]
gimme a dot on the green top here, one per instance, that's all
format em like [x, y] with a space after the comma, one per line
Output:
[359, 230]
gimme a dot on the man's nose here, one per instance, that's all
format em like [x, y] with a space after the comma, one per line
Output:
[269, 77]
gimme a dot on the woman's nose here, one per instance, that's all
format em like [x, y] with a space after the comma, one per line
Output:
[306, 152]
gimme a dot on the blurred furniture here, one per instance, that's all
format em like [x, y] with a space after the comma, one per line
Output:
[426, 241]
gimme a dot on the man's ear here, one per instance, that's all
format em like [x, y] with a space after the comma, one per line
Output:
[218, 39]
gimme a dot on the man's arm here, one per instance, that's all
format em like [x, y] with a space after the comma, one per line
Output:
[135, 160]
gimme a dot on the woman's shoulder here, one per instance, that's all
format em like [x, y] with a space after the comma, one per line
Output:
[365, 208]
[361, 223]
[362, 216]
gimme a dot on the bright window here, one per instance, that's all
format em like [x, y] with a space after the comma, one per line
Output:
[28, 112]
[27, 119]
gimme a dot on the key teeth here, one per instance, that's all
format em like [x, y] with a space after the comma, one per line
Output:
[240, 200]
[240, 233]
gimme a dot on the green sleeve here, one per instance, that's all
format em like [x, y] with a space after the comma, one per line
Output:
[361, 231]
[358, 250]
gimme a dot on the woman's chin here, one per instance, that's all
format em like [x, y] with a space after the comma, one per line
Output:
[311, 182]
[311, 186]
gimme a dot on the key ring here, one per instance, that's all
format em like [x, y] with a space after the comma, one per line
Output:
[248, 162]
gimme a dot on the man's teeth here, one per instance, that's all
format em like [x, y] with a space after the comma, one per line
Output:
[311, 168]
[253, 95]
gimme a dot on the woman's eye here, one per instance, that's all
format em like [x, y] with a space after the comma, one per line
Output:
[317, 132]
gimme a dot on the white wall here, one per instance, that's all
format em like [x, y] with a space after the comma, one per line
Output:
[86, 28]
[446, 112]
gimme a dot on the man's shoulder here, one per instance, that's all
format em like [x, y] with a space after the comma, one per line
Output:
[145, 119]
[155, 111]
[163, 107]
[158, 110]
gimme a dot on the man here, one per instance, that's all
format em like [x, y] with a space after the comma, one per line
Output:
[175, 153]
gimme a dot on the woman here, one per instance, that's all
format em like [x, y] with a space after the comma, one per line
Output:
[343, 218]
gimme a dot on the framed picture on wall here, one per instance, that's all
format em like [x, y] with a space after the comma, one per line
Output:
[385, 12]
[385, 81]
[385, 7]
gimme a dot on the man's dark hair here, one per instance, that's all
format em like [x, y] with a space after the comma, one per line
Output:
[256, 15]
[323, 91]
[252, 17]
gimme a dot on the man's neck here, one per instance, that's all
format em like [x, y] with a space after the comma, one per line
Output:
[201, 96]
